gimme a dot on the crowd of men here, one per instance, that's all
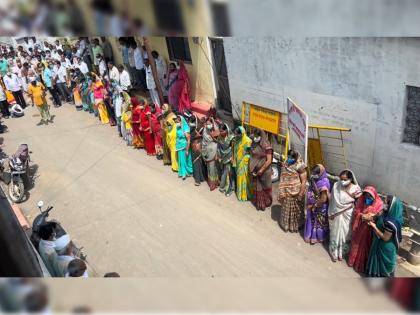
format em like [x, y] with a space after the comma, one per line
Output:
[34, 67]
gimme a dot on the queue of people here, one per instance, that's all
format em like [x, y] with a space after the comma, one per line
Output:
[356, 223]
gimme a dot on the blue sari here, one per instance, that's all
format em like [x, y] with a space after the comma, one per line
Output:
[185, 166]
[383, 255]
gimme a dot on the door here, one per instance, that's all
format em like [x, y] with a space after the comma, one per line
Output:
[220, 74]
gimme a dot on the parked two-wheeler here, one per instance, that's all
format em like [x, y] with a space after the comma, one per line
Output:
[17, 174]
[41, 219]
[276, 167]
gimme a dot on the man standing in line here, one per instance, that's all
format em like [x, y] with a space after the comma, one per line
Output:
[12, 83]
[36, 91]
[96, 50]
[107, 48]
[151, 85]
[139, 69]
[125, 82]
[61, 79]
[114, 75]
[64, 249]
[48, 80]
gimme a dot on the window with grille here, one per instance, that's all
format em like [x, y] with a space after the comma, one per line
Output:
[179, 49]
[412, 118]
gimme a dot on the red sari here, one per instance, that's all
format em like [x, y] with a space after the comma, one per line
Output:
[184, 97]
[361, 232]
[146, 129]
[154, 120]
[135, 116]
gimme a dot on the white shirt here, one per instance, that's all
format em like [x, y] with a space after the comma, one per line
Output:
[2, 94]
[102, 68]
[62, 74]
[138, 59]
[12, 83]
[131, 59]
[125, 81]
[83, 67]
[48, 255]
[62, 264]
[150, 81]
[160, 66]
[114, 74]
[66, 63]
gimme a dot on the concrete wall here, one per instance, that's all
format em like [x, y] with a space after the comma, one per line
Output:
[358, 83]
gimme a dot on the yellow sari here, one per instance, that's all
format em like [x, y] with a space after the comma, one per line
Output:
[241, 161]
[171, 140]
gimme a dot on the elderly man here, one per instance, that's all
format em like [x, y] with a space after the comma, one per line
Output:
[46, 246]
[64, 249]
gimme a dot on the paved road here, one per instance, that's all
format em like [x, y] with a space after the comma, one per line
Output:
[134, 216]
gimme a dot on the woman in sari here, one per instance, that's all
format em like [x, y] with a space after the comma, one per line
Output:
[343, 197]
[316, 224]
[241, 145]
[173, 86]
[225, 157]
[99, 94]
[260, 169]
[146, 128]
[86, 90]
[383, 252]
[157, 132]
[199, 167]
[185, 167]
[166, 123]
[184, 102]
[368, 207]
[135, 123]
[292, 191]
[209, 153]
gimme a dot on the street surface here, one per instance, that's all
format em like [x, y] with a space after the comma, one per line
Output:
[135, 216]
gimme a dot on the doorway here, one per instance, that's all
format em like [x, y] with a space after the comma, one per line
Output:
[221, 76]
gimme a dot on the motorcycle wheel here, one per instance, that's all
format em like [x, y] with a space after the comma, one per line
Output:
[16, 191]
[275, 173]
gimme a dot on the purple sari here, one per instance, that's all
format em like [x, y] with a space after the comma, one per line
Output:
[316, 225]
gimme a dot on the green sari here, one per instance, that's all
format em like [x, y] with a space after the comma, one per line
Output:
[383, 255]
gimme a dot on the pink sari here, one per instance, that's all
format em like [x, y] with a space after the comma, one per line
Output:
[184, 98]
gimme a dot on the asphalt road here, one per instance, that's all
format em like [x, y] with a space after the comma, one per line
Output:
[135, 216]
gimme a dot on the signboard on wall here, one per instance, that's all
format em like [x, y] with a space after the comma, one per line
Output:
[260, 117]
[298, 124]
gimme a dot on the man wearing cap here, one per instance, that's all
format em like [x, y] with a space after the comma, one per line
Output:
[64, 249]
[36, 91]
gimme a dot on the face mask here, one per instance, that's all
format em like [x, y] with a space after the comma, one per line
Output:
[345, 183]
[178, 125]
[209, 126]
[368, 201]
[257, 139]
[290, 161]
[315, 177]
[192, 125]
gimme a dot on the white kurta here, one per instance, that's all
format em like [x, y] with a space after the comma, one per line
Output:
[49, 256]
[62, 264]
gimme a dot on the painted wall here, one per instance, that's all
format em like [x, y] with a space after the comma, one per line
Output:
[358, 83]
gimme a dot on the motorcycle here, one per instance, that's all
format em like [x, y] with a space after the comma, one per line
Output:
[41, 219]
[276, 167]
[18, 172]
